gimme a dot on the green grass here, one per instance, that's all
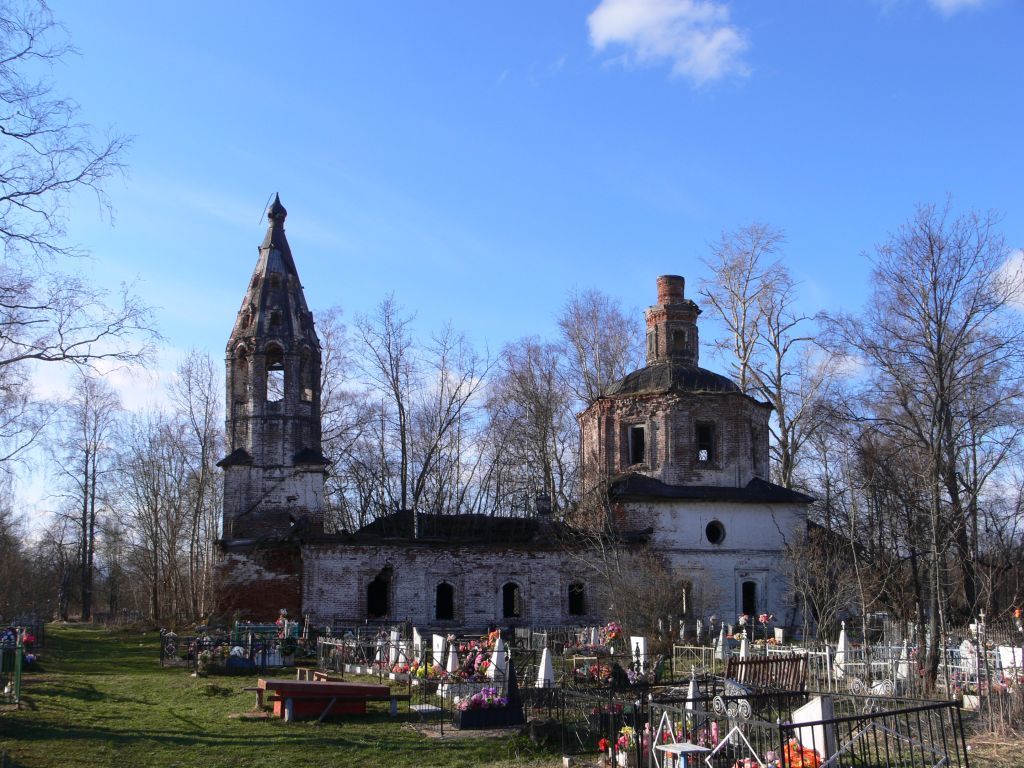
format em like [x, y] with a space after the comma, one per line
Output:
[101, 699]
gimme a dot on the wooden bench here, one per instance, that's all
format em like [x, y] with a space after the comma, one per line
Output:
[779, 673]
[308, 673]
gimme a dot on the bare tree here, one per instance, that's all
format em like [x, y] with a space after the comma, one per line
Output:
[534, 440]
[47, 155]
[390, 366]
[939, 319]
[83, 453]
[601, 343]
[197, 396]
[744, 268]
[770, 347]
[346, 417]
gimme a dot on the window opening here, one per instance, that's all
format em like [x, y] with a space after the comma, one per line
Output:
[750, 598]
[577, 601]
[275, 375]
[715, 532]
[706, 443]
[377, 595]
[637, 445]
[444, 602]
[511, 601]
[678, 342]
[306, 377]
[241, 379]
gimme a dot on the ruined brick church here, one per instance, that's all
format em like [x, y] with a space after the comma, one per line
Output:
[679, 452]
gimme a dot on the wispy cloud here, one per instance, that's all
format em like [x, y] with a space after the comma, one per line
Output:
[695, 36]
[950, 7]
[1011, 278]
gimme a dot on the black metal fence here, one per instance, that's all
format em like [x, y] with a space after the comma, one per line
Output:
[11, 659]
[726, 727]
[219, 653]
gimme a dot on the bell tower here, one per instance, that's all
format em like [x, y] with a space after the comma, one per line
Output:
[672, 325]
[274, 470]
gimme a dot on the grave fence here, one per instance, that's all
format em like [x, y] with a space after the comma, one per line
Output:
[11, 661]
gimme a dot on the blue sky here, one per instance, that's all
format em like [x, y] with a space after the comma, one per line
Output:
[482, 159]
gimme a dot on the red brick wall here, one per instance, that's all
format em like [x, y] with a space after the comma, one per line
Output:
[257, 582]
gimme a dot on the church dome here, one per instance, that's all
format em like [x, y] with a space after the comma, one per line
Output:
[667, 377]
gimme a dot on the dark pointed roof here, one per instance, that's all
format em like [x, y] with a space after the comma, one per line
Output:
[274, 307]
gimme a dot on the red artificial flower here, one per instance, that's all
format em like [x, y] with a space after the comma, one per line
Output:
[603, 745]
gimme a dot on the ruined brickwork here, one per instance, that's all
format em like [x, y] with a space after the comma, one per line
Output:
[273, 473]
[337, 579]
[256, 581]
[696, 426]
[677, 452]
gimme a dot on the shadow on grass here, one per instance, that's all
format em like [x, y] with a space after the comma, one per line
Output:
[88, 650]
[297, 737]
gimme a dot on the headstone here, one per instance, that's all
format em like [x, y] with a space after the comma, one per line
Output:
[496, 669]
[452, 666]
[721, 646]
[744, 649]
[515, 701]
[692, 692]
[1010, 658]
[903, 666]
[393, 647]
[638, 650]
[595, 636]
[437, 649]
[417, 642]
[842, 651]
[822, 737]
[546, 672]
[700, 630]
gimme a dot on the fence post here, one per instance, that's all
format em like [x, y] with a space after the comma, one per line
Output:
[18, 652]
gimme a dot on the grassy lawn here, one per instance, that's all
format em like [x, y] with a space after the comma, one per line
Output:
[101, 699]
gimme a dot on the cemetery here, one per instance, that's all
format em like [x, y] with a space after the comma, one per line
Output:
[585, 696]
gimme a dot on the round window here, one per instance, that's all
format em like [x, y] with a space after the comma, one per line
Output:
[715, 532]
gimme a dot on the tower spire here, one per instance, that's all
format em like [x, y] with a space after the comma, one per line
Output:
[274, 469]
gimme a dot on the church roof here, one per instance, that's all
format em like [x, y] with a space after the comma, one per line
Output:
[666, 377]
[634, 486]
[455, 528]
[274, 307]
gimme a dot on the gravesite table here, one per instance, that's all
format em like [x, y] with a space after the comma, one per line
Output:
[294, 699]
[681, 751]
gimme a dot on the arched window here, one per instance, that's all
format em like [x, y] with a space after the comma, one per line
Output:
[577, 599]
[306, 377]
[750, 598]
[705, 439]
[240, 376]
[444, 602]
[511, 601]
[378, 595]
[275, 374]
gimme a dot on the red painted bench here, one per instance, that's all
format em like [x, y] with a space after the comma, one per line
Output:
[293, 699]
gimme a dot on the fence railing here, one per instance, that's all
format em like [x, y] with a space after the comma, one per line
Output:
[11, 659]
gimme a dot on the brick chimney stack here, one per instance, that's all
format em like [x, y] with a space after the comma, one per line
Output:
[672, 325]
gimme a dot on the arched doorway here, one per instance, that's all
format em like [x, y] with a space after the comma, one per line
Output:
[378, 595]
[511, 601]
[444, 602]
